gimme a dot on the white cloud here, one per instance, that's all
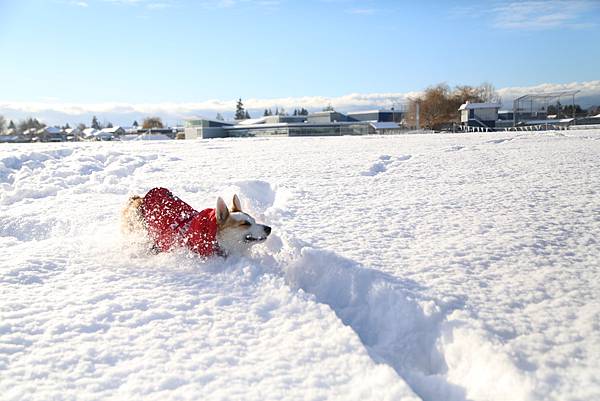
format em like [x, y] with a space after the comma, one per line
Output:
[55, 112]
[589, 88]
[362, 11]
[158, 6]
[541, 14]
[531, 14]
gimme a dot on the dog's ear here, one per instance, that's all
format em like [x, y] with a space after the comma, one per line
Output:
[237, 205]
[222, 213]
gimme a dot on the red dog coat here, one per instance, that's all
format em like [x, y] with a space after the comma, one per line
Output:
[171, 222]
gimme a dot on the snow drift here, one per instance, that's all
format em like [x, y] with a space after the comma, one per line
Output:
[425, 267]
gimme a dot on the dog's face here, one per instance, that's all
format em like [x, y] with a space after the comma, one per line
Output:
[238, 231]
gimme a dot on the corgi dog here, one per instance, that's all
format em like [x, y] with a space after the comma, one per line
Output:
[169, 222]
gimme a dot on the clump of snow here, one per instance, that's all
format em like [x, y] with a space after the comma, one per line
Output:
[446, 267]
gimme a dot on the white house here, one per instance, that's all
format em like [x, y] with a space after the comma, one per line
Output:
[50, 134]
[479, 114]
[73, 134]
[114, 131]
[103, 136]
[89, 132]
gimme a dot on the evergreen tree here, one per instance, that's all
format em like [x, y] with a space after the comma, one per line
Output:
[81, 126]
[266, 113]
[135, 124]
[276, 111]
[247, 115]
[240, 113]
[29, 123]
[2, 124]
[303, 112]
[95, 124]
[109, 125]
[11, 125]
[67, 126]
[219, 117]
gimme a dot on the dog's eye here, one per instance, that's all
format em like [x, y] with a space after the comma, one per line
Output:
[246, 223]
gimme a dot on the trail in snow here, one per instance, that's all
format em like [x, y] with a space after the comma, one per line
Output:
[465, 271]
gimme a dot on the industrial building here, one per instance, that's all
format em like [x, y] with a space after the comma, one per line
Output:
[325, 123]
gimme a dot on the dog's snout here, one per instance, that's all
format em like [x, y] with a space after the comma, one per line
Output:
[267, 229]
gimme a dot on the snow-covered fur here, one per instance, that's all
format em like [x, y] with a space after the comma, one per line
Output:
[169, 222]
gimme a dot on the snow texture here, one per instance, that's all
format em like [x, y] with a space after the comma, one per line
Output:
[422, 267]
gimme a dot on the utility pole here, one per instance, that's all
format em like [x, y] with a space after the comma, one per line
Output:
[417, 116]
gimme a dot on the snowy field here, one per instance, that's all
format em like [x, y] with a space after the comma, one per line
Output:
[433, 267]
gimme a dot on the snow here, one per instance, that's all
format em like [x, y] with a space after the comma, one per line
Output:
[434, 267]
[470, 106]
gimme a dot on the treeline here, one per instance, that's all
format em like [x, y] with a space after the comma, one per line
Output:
[241, 113]
[33, 123]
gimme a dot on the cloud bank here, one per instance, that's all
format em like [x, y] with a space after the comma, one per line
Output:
[53, 111]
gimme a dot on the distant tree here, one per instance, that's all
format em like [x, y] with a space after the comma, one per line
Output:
[28, 123]
[11, 125]
[152, 122]
[109, 125]
[592, 111]
[281, 112]
[567, 110]
[2, 124]
[438, 105]
[246, 115]
[67, 126]
[303, 112]
[219, 117]
[81, 126]
[240, 112]
[276, 111]
[295, 112]
[487, 93]
[135, 124]
[95, 124]
[329, 107]
[266, 113]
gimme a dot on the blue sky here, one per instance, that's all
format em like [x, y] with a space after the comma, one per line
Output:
[171, 51]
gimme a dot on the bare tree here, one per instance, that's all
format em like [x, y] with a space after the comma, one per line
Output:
[488, 93]
[2, 124]
[152, 122]
[438, 106]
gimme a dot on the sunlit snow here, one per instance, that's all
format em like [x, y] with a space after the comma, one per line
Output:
[434, 267]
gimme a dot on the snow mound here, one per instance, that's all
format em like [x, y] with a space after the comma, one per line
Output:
[382, 164]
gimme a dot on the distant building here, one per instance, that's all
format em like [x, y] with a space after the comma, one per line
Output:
[380, 116]
[206, 128]
[114, 131]
[327, 117]
[88, 133]
[103, 136]
[482, 115]
[50, 134]
[73, 134]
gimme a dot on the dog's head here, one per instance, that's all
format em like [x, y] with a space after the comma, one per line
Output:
[237, 231]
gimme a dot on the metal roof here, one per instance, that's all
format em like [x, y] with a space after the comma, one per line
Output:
[471, 106]
[548, 95]
[385, 125]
